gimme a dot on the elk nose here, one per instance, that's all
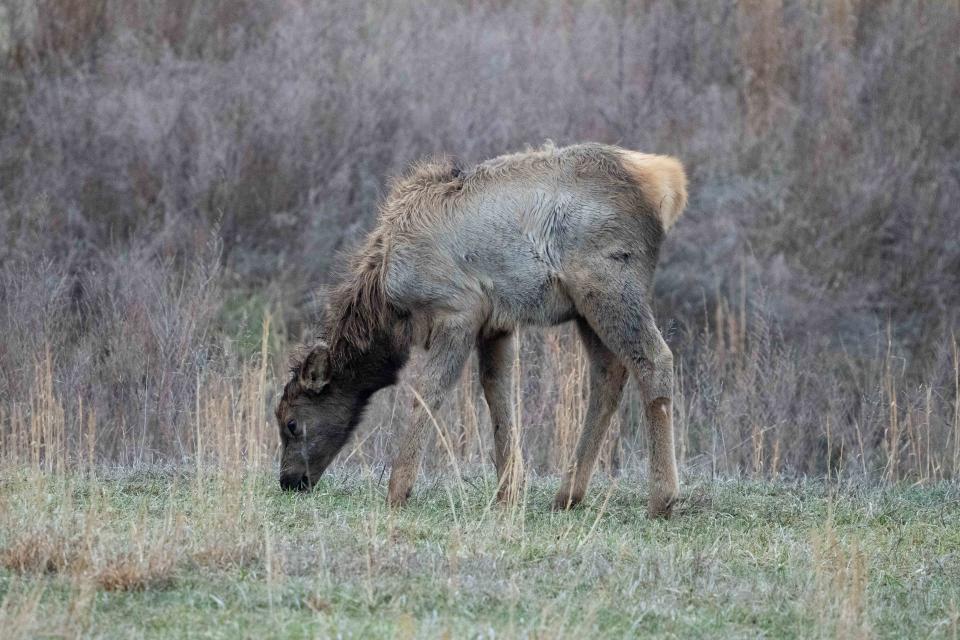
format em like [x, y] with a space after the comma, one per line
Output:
[292, 481]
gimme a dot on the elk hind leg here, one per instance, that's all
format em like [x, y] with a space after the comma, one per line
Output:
[607, 379]
[617, 311]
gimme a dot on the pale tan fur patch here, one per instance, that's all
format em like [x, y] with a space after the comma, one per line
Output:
[663, 182]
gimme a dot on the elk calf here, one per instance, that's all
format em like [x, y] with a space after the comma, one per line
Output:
[463, 258]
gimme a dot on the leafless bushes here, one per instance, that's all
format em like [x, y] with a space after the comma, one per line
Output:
[170, 172]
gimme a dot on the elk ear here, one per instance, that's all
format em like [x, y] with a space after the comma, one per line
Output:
[315, 370]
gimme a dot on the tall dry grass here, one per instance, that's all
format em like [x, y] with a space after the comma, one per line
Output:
[744, 408]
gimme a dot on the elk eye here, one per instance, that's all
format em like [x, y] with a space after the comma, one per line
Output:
[292, 427]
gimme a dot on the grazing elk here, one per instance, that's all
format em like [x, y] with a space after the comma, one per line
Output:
[462, 259]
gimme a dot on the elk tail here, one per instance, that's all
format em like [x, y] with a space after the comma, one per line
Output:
[662, 181]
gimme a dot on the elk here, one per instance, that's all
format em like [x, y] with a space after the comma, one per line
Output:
[463, 258]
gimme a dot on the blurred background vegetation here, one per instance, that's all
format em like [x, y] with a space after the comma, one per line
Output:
[173, 173]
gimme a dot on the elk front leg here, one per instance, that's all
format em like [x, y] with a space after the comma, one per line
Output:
[450, 347]
[496, 359]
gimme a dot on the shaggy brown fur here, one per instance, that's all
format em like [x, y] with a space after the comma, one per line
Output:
[462, 259]
[358, 307]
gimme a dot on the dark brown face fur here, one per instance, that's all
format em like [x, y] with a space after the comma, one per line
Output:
[313, 426]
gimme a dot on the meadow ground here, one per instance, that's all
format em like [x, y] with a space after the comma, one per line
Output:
[175, 554]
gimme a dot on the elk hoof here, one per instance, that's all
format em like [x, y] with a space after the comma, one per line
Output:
[398, 499]
[565, 501]
[510, 494]
[661, 506]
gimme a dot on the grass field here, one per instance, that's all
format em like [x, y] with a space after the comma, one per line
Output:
[168, 554]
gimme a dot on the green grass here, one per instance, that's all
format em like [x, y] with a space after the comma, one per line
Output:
[214, 557]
